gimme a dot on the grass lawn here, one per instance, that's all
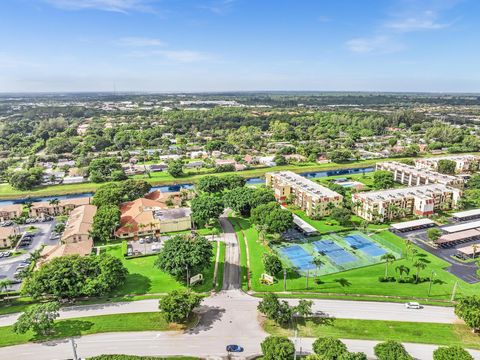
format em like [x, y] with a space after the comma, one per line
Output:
[221, 264]
[363, 281]
[425, 333]
[92, 325]
[145, 278]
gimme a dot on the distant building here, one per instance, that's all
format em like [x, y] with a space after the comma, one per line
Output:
[73, 179]
[308, 195]
[146, 216]
[394, 203]
[6, 236]
[9, 212]
[463, 163]
[62, 207]
[412, 176]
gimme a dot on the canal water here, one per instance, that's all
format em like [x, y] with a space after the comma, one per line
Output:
[175, 188]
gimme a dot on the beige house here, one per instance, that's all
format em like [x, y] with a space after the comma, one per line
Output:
[79, 224]
[7, 235]
[412, 176]
[50, 252]
[147, 216]
[62, 207]
[396, 203]
[311, 197]
[9, 212]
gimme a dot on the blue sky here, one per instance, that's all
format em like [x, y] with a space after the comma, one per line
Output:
[222, 45]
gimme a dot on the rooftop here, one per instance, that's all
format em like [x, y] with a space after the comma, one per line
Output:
[391, 194]
[412, 223]
[461, 227]
[467, 213]
[80, 221]
[419, 172]
[295, 180]
[172, 214]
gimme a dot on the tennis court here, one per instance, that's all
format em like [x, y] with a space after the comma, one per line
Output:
[334, 252]
[299, 257]
[359, 242]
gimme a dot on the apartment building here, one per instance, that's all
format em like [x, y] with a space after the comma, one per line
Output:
[55, 208]
[411, 176]
[79, 224]
[395, 203]
[311, 197]
[9, 212]
[7, 235]
[464, 163]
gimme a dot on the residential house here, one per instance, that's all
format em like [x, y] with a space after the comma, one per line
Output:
[50, 252]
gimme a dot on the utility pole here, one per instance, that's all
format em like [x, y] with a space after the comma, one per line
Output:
[454, 291]
[74, 348]
[284, 279]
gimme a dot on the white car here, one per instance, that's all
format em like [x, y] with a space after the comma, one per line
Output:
[413, 305]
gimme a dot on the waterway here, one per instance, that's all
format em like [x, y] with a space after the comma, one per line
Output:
[174, 188]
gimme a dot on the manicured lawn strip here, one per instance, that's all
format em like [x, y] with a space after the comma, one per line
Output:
[207, 283]
[243, 253]
[221, 264]
[321, 225]
[153, 321]
[425, 333]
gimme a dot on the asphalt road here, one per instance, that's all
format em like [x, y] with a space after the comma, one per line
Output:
[231, 272]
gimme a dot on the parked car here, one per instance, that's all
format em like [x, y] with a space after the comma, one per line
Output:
[1, 255]
[234, 348]
[7, 253]
[141, 241]
[413, 305]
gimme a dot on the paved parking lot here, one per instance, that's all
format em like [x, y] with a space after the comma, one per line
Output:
[465, 271]
[8, 266]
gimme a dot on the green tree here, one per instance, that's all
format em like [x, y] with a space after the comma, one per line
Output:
[262, 195]
[233, 181]
[277, 348]
[186, 255]
[451, 353]
[383, 180]
[304, 308]
[353, 356]
[39, 318]
[178, 305]
[239, 200]
[211, 184]
[280, 160]
[74, 276]
[105, 222]
[446, 166]
[391, 350]
[206, 208]
[272, 264]
[273, 217]
[388, 258]
[433, 234]
[175, 168]
[468, 309]
[26, 179]
[273, 309]
[341, 215]
[329, 348]
[103, 169]
[108, 194]
[402, 269]
[133, 189]
[419, 264]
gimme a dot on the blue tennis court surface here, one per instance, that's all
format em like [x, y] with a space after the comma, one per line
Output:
[363, 244]
[299, 257]
[336, 253]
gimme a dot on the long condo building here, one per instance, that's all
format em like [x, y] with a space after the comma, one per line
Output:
[463, 163]
[394, 203]
[306, 194]
[412, 176]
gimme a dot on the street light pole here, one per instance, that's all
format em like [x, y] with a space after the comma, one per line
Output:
[74, 348]
[284, 279]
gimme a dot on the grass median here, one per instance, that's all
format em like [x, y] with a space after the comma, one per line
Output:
[149, 321]
[413, 332]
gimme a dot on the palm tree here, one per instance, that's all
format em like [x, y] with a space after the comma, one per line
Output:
[402, 269]
[54, 202]
[388, 258]
[4, 285]
[318, 262]
[35, 255]
[474, 248]
[419, 264]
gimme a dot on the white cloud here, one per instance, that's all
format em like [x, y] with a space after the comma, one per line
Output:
[123, 6]
[183, 56]
[139, 42]
[423, 21]
[378, 44]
